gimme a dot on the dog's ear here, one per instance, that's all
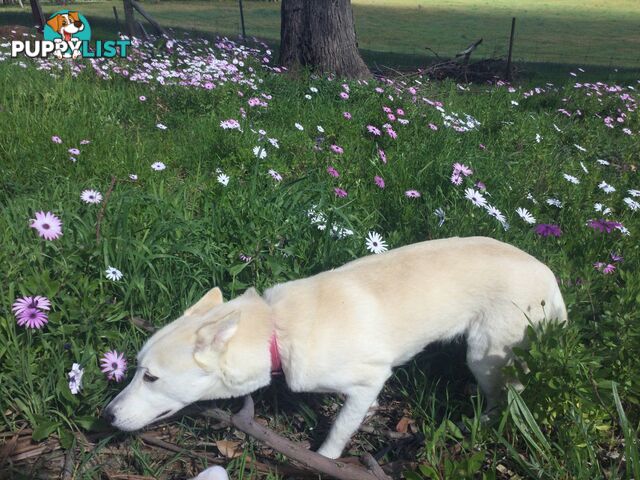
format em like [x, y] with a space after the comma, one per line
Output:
[212, 298]
[74, 16]
[55, 23]
[212, 338]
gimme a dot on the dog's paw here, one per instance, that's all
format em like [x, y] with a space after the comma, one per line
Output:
[329, 451]
[213, 473]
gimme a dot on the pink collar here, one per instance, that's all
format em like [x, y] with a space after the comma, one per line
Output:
[276, 364]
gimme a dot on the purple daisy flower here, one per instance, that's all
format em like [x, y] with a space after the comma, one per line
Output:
[56, 139]
[617, 257]
[413, 194]
[47, 225]
[32, 318]
[340, 192]
[603, 225]
[114, 365]
[547, 229]
[74, 151]
[333, 172]
[25, 303]
[379, 181]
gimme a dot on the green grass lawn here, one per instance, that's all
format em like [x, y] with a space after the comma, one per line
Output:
[590, 32]
[178, 231]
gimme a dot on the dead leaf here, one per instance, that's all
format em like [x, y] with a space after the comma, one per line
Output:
[229, 449]
[403, 424]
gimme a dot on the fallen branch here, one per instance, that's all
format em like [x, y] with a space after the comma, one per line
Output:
[244, 421]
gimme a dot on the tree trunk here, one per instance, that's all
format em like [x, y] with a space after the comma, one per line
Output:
[320, 34]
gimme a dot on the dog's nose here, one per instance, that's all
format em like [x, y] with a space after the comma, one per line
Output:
[108, 415]
[78, 24]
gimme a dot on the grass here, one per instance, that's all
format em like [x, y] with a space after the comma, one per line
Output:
[396, 32]
[177, 232]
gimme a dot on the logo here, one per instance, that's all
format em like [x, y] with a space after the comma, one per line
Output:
[67, 34]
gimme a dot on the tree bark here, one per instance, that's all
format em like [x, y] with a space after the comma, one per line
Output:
[320, 35]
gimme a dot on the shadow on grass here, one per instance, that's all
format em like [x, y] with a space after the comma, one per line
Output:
[385, 62]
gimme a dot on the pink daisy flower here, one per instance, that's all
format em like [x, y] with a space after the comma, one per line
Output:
[114, 365]
[337, 149]
[386, 110]
[85, 142]
[340, 192]
[383, 156]
[379, 181]
[400, 111]
[391, 117]
[24, 303]
[373, 130]
[333, 172]
[56, 139]
[344, 95]
[346, 115]
[391, 132]
[433, 127]
[412, 194]
[463, 169]
[456, 178]
[74, 151]
[32, 318]
[47, 225]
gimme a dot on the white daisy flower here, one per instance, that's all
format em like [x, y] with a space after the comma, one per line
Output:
[223, 179]
[571, 178]
[530, 197]
[341, 232]
[494, 212]
[274, 142]
[606, 188]
[313, 89]
[275, 175]
[631, 203]
[439, 212]
[634, 193]
[475, 197]
[539, 137]
[375, 243]
[133, 176]
[307, 96]
[75, 378]
[298, 126]
[554, 202]
[113, 273]
[320, 129]
[260, 152]
[603, 162]
[158, 166]
[557, 128]
[161, 126]
[623, 230]
[582, 149]
[526, 215]
[91, 196]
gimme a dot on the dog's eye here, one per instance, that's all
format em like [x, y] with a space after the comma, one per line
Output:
[149, 378]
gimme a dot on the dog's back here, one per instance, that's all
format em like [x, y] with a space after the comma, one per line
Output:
[344, 325]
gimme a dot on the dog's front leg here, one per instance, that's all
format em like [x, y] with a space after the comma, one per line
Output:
[349, 419]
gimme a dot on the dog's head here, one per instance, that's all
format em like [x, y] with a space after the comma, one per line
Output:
[205, 354]
[66, 24]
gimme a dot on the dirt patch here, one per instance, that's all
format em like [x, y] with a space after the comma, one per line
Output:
[18, 32]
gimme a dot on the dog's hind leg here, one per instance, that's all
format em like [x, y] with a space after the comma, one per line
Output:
[349, 419]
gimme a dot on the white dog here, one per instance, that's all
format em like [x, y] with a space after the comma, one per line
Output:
[345, 329]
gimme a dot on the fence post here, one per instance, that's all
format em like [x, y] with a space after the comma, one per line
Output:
[513, 29]
[244, 33]
[129, 20]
